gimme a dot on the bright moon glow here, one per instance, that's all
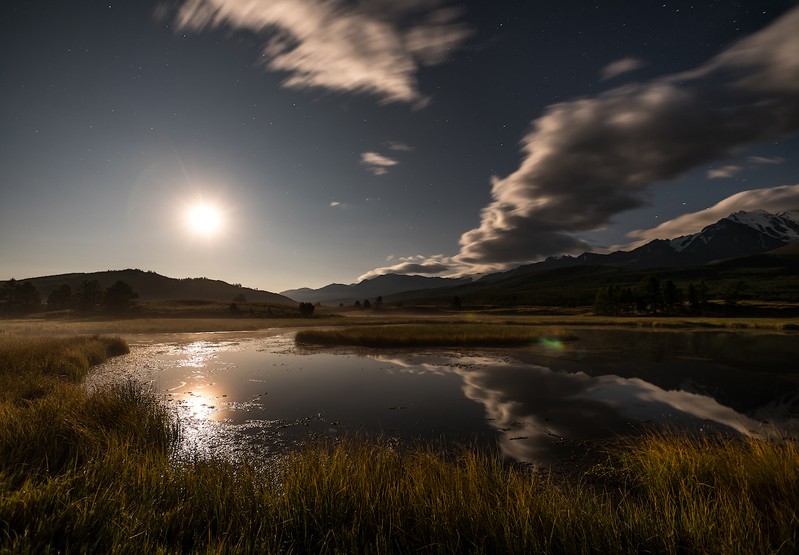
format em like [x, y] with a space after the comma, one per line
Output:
[204, 219]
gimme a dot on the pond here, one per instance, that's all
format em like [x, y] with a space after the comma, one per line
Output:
[246, 395]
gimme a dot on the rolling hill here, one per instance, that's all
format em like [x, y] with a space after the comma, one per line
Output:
[155, 287]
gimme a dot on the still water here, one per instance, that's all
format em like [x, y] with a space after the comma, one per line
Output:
[248, 395]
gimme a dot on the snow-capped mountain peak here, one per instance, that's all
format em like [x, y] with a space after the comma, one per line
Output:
[780, 228]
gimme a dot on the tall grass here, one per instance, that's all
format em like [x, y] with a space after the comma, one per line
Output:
[90, 472]
[49, 422]
[424, 335]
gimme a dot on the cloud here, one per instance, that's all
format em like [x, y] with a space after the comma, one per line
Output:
[589, 159]
[399, 147]
[618, 67]
[760, 160]
[377, 163]
[414, 265]
[724, 172]
[375, 46]
[774, 199]
[334, 203]
[731, 170]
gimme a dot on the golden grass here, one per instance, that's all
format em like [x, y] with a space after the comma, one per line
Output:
[186, 324]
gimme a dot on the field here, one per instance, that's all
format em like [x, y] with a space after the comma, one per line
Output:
[90, 470]
[188, 322]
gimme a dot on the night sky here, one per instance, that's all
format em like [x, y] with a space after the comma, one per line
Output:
[333, 140]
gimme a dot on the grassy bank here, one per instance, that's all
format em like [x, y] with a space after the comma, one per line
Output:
[89, 471]
[426, 335]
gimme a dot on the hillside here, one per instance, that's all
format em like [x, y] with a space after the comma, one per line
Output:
[771, 277]
[155, 287]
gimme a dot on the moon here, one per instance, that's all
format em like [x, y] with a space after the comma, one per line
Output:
[204, 219]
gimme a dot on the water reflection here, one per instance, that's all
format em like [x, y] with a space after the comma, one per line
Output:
[255, 396]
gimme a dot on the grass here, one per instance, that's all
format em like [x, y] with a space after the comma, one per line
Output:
[424, 335]
[85, 470]
[187, 322]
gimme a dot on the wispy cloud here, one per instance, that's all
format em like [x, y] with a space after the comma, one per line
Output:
[732, 170]
[399, 147]
[619, 67]
[587, 160]
[774, 199]
[374, 47]
[377, 163]
[760, 160]
[724, 172]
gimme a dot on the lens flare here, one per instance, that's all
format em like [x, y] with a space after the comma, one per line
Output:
[548, 344]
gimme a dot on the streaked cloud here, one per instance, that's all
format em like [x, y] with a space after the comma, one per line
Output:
[619, 67]
[376, 163]
[375, 47]
[774, 199]
[399, 147]
[724, 172]
[589, 159]
[761, 160]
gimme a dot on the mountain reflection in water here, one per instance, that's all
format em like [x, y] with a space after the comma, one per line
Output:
[256, 396]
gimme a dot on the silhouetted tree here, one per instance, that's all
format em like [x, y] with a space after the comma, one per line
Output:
[650, 293]
[357, 304]
[367, 304]
[455, 303]
[119, 297]
[240, 298]
[733, 291]
[626, 300]
[607, 300]
[20, 297]
[697, 297]
[378, 302]
[233, 308]
[60, 298]
[671, 294]
[89, 295]
[306, 310]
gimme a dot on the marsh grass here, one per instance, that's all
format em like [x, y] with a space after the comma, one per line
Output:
[89, 471]
[427, 335]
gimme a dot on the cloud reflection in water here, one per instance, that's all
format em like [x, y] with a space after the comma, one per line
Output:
[537, 410]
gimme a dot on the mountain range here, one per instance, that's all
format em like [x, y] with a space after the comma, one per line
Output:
[740, 240]
[385, 285]
[740, 234]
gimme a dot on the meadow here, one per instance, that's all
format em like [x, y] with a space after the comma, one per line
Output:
[91, 470]
[188, 322]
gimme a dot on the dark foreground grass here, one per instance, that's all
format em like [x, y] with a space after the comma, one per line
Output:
[116, 490]
[426, 335]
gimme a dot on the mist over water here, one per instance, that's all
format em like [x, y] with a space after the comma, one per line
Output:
[253, 395]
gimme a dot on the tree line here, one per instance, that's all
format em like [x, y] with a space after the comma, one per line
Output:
[653, 296]
[24, 298]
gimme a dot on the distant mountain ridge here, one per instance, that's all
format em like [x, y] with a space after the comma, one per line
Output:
[152, 286]
[739, 234]
[379, 286]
